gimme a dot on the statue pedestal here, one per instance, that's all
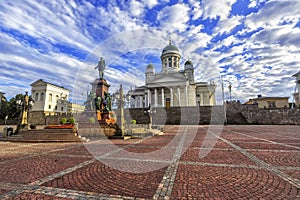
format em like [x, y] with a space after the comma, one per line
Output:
[99, 86]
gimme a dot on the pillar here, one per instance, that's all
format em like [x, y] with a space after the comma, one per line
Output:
[201, 99]
[186, 96]
[155, 97]
[171, 97]
[179, 97]
[162, 97]
[149, 98]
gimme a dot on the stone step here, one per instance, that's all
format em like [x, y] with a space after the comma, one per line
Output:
[45, 135]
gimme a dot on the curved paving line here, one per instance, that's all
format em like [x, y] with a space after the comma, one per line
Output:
[165, 187]
[273, 170]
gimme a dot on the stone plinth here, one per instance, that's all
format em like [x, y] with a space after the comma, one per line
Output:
[99, 86]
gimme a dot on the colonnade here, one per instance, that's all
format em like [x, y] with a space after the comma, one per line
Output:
[160, 96]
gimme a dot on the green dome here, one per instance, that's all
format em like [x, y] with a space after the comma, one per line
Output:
[188, 63]
[170, 47]
[150, 66]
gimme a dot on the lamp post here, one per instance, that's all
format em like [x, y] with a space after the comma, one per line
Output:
[224, 104]
[229, 88]
[148, 113]
[119, 98]
[25, 104]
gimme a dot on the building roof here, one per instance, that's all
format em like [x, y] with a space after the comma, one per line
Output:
[259, 99]
[298, 73]
[44, 82]
[268, 98]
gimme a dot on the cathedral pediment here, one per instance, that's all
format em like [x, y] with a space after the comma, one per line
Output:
[167, 79]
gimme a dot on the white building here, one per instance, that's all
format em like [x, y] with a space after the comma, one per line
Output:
[49, 98]
[172, 86]
[297, 88]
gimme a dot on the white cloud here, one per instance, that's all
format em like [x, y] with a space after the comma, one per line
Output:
[220, 8]
[227, 25]
[174, 18]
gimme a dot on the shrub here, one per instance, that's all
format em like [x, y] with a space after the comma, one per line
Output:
[63, 121]
[92, 120]
[72, 120]
[133, 121]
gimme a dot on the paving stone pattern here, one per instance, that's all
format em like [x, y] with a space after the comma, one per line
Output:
[245, 162]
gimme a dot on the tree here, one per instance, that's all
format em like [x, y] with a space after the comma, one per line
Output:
[9, 108]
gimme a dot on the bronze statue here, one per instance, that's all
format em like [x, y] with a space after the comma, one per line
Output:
[101, 67]
[107, 98]
[89, 103]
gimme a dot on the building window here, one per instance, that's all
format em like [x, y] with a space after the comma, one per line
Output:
[55, 107]
[62, 108]
[42, 96]
[50, 97]
[56, 98]
[271, 104]
[37, 96]
[49, 106]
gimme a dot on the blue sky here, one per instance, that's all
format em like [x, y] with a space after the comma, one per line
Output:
[252, 44]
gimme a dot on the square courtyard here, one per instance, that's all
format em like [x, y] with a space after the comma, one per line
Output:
[187, 162]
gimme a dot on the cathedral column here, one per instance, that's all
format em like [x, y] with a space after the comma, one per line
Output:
[141, 101]
[186, 96]
[171, 99]
[155, 97]
[172, 62]
[201, 99]
[136, 102]
[149, 98]
[162, 97]
[179, 98]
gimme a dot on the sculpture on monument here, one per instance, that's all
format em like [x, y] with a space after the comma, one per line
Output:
[101, 67]
[90, 101]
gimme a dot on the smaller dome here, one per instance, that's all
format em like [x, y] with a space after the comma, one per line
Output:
[188, 65]
[150, 68]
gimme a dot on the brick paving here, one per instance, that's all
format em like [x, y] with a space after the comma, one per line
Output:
[243, 162]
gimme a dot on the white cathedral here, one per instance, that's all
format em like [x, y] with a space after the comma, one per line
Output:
[172, 87]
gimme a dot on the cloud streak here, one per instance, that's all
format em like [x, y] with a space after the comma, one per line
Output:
[254, 45]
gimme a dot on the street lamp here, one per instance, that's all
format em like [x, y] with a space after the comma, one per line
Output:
[148, 113]
[229, 88]
[118, 97]
[24, 104]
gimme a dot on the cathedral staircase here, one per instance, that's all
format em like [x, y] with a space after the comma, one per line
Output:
[46, 135]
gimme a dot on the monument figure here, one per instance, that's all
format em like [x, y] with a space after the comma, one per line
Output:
[107, 98]
[101, 67]
[89, 103]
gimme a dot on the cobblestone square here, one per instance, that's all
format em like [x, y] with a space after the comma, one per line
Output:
[238, 162]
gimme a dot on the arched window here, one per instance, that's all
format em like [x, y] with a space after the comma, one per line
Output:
[56, 98]
[50, 97]
[42, 96]
[36, 96]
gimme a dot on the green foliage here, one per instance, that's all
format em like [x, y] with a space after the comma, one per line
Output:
[9, 108]
[133, 121]
[72, 120]
[63, 121]
[92, 120]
